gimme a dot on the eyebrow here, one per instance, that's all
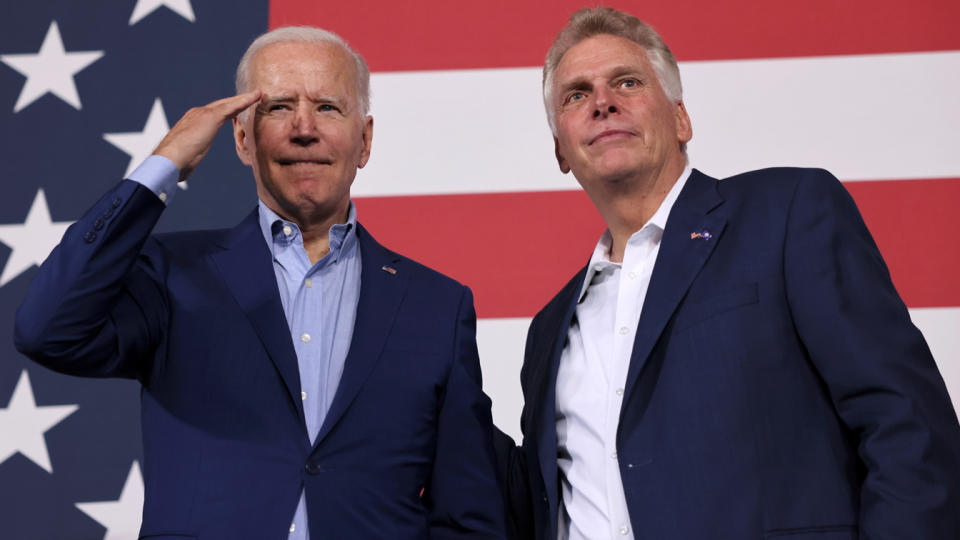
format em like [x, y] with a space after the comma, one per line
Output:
[581, 83]
[318, 100]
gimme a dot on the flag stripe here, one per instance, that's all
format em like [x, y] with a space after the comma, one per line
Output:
[515, 250]
[501, 354]
[435, 34]
[870, 117]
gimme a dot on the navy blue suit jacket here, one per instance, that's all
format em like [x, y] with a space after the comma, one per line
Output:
[777, 387]
[197, 318]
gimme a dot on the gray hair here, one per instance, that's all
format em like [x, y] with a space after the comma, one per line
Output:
[588, 22]
[306, 34]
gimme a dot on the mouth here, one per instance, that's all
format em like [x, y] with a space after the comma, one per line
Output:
[609, 135]
[287, 162]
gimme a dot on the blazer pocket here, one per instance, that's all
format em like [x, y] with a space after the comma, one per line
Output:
[705, 308]
[830, 532]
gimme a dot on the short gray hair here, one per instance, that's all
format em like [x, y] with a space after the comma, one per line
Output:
[306, 34]
[588, 22]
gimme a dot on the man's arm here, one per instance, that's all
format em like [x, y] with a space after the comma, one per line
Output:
[96, 307]
[463, 495]
[879, 372]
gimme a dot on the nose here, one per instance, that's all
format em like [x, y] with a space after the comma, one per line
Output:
[303, 128]
[604, 103]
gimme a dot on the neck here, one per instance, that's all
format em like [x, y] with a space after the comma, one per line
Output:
[627, 204]
[315, 228]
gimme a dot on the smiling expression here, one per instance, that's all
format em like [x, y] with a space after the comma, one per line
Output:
[306, 137]
[614, 121]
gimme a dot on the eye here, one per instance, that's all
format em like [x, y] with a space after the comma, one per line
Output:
[326, 107]
[629, 83]
[574, 96]
[277, 107]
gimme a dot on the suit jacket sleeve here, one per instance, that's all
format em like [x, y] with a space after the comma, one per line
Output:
[876, 366]
[513, 469]
[95, 307]
[463, 494]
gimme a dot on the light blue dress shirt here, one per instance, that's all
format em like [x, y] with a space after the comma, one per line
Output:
[319, 302]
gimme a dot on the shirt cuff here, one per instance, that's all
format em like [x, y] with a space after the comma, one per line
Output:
[159, 175]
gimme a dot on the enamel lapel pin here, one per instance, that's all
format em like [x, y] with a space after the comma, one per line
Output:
[705, 235]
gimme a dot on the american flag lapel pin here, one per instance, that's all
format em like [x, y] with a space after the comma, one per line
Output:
[389, 269]
[704, 234]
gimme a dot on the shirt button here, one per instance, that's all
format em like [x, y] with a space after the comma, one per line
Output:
[619, 391]
[613, 455]
[303, 396]
[624, 530]
[308, 283]
[163, 197]
[305, 337]
[624, 330]
[293, 527]
[287, 231]
[632, 275]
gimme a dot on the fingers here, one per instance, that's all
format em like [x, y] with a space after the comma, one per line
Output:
[229, 107]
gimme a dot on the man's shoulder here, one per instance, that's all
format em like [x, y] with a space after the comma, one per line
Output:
[776, 178]
[419, 272]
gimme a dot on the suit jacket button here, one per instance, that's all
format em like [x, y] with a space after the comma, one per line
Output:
[313, 467]
[98, 224]
[108, 214]
[116, 202]
[543, 495]
[89, 237]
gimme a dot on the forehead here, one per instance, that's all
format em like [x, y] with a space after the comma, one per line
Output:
[298, 63]
[597, 54]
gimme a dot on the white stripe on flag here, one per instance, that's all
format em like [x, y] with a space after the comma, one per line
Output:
[501, 343]
[868, 117]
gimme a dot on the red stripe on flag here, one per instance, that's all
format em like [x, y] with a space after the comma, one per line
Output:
[914, 222]
[516, 250]
[438, 34]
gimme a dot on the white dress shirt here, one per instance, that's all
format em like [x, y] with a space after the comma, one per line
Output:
[591, 379]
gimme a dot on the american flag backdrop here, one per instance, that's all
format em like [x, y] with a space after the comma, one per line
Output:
[462, 175]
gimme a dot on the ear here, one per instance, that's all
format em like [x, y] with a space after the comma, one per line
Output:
[240, 138]
[684, 128]
[561, 161]
[367, 133]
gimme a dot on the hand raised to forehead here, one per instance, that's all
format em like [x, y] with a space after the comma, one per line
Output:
[190, 138]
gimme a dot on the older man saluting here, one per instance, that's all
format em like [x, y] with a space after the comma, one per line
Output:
[300, 380]
[734, 361]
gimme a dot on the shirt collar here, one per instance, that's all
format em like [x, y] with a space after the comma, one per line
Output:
[280, 232]
[601, 253]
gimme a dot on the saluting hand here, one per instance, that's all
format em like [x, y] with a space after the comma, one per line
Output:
[190, 138]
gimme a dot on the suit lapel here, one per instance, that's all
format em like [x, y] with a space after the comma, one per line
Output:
[246, 267]
[381, 293]
[547, 363]
[678, 263]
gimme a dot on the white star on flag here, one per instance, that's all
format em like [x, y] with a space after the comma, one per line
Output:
[23, 424]
[121, 517]
[32, 241]
[141, 144]
[50, 70]
[146, 7]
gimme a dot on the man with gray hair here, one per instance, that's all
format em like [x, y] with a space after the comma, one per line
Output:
[299, 379]
[734, 361]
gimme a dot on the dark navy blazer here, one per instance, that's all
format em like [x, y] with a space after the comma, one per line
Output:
[197, 318]
[777, 388]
